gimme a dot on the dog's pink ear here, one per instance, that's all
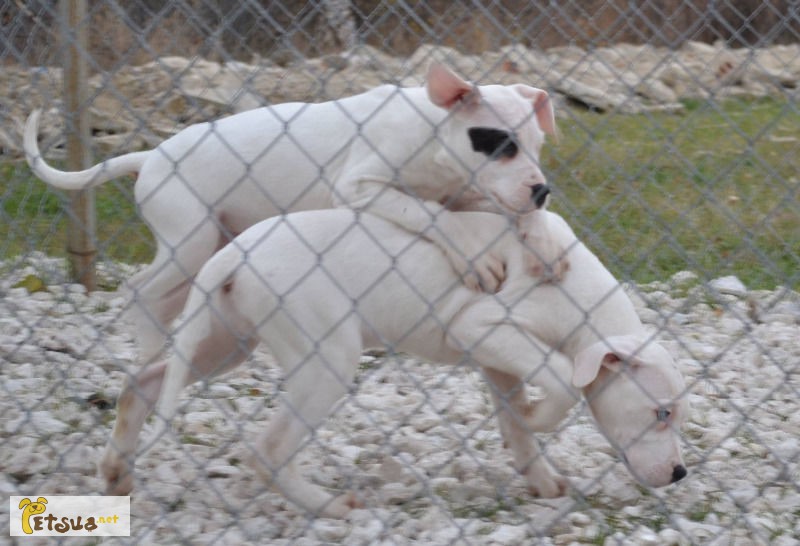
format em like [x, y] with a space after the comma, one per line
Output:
[446, 88]
[588, 364]
[542, 107]
[606, 353]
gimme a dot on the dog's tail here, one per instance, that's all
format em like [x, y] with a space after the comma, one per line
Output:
[78, 180]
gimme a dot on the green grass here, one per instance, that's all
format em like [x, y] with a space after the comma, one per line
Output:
[715, 190]
[32, 217]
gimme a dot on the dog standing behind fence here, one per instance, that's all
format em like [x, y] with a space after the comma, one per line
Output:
[348, 281]
[397, 152]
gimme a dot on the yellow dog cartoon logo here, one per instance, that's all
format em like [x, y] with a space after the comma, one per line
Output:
[31, 509]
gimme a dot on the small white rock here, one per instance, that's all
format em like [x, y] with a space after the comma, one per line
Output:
[37, 423]
[329, 530]
[671, 537]
[367, 532]
[684, 278]
[221, 390]
[508, 534]
[729, 285]
[644, 535]
[391, 470]
[580, 519]
[398, 493]
[222, 471]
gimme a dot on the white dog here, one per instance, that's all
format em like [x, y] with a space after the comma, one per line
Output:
[378, 151]
[346, 281]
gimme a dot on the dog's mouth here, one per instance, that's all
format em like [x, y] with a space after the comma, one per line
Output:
[536, 199]
[515, 210]
[492, 201]
[675, 473]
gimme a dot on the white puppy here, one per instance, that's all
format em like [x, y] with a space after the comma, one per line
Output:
[346, 281]
[377, 151]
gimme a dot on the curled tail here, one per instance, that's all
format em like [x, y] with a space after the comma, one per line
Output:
[78, 180]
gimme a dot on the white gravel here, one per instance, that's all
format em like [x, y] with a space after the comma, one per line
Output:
[415, 439]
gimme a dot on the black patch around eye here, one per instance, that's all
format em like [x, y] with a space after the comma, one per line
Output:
[495, 143]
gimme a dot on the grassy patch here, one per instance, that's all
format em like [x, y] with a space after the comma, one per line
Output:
[714, 190]
[32, 217]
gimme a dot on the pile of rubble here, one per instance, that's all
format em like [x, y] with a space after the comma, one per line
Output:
[136, 107]
[417, 440]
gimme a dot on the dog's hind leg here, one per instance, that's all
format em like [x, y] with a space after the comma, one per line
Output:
[274, 461]
[219, 351]
[133, 405]
[152, 317]
[319, 378]
[159, 292]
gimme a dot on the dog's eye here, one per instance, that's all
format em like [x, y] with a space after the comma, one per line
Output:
[662, 414]
[494, 143]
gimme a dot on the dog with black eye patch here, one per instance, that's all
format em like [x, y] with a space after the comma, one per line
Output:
[498, 144]
[404, 154]
[495, 143]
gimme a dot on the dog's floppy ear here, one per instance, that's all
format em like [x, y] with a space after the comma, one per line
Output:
[542, 107]
[446, 88]
[607, 353]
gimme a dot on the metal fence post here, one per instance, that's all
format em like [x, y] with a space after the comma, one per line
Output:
[81, 248]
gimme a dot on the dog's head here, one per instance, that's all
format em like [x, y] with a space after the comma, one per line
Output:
[494, 133]
[638, 398]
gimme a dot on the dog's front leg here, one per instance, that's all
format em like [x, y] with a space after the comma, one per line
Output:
[477, 266]
[514, 413]
[511, 357]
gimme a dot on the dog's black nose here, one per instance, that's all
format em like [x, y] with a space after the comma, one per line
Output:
[539, 193]
[678, 473]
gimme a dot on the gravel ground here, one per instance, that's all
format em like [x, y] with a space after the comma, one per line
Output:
[415, 439]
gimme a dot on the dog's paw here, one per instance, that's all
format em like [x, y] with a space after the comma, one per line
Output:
[480, 267]
[544, 482]
[546, 261]
[491, 272]
[552, 488]
[118, 475]
[545, 255]
[484, 273]
[342, 505]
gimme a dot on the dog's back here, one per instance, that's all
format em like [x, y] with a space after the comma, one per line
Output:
[337, 263]
[312, 269]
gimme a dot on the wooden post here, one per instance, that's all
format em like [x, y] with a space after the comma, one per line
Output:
[81, 250]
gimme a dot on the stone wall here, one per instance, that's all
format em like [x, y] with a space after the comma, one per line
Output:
[136, 107]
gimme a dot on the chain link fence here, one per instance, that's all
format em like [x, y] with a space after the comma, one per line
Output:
[676, 162]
